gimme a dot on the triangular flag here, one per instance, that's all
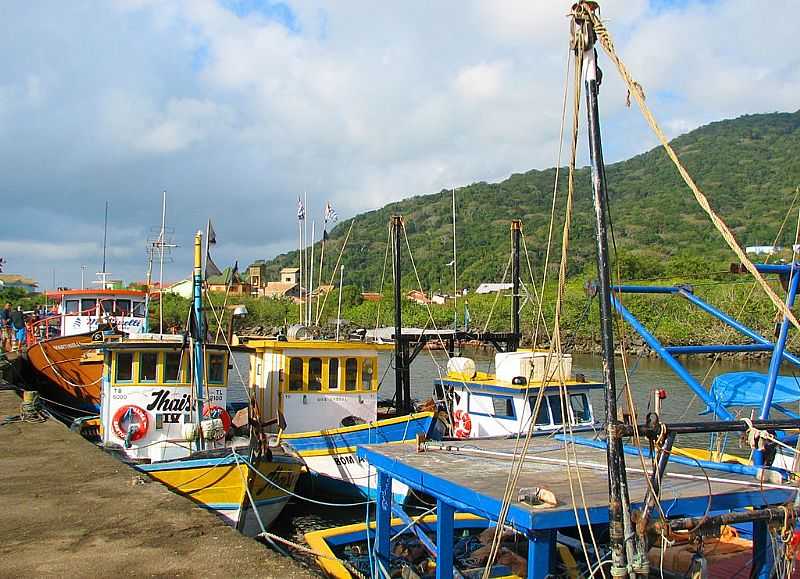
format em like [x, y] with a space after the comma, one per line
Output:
[211, 268]
[212, 235]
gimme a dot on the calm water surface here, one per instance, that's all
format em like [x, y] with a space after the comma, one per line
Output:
[646, 375]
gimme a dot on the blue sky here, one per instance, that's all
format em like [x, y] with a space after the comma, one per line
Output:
[234, 107]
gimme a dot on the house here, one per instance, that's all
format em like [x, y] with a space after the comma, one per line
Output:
[219, 283]
[280, 289]
[763, 249]
[440, 299]
[257, 275]
[418, 297]
[290, 275]
[183, 288]
[371, 296]
[491, 288]
[9, 280]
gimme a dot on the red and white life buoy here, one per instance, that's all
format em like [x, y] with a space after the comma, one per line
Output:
[462, 424]
[128, 416]
[213, 411]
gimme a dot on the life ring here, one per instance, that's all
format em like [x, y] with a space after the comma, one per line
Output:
[462, 424]
[214, 411]
[127, 416]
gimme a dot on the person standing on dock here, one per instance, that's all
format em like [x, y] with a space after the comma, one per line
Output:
[18, 328]
[5, 328]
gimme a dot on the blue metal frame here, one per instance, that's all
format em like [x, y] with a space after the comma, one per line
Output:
[540, 527]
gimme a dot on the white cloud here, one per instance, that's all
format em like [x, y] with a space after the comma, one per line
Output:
[360, 103]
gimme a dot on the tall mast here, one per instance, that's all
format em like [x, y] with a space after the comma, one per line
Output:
[399, 357]
[516, 232]
[161, 241]
[455, 268]
[619, 501]
[198, 330]
[105, 239]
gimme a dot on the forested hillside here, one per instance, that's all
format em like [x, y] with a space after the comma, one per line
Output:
[749, 167]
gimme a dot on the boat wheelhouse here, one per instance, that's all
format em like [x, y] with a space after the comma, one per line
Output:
[72, 373]
[322, 397]
[485, 405]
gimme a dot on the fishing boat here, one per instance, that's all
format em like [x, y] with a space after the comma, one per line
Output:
[482, 405]
[163, 410]
[70, 373]
[343, 552]
[321, 397]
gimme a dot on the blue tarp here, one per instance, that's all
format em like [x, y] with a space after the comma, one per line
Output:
[747, 389]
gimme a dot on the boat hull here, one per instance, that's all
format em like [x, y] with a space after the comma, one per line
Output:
[70, 373]
[224, 486]
[330, 455]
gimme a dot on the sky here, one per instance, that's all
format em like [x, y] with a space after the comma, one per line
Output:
[236, 107]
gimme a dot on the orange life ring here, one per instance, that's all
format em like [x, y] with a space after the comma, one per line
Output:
[462, 424]
[218, 412]
[132, 415]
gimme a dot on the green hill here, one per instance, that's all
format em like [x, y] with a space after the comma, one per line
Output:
[749, 167]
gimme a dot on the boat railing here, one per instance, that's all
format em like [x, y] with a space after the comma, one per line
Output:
[50, 325]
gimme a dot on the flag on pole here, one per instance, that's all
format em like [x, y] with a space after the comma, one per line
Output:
[211, 267]
[234, 272]
[301, 211]
[330, 213]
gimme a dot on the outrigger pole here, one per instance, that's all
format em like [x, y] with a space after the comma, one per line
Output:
[198, 332]
[516, 233]
[401, 402]
[620, 529]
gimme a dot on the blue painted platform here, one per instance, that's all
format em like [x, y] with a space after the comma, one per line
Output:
[471, 477]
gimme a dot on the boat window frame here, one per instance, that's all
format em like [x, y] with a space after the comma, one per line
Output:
[211, 356]
[587, 406]
[77, 311]
[320, 374]
[289, 361]
[181, 370]
[91, 310]
[373, 364]
[121, 313]
[509, 402]
[328, 374]
[139, 378]
[140, 307]
[356, 379]
[116, 367]
[543, 407]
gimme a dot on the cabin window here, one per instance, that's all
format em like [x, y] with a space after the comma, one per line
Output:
[107, 306]
[123, 308]
[216, 369]
[72, 307]
[124, 366]
[148, 362]
[503, 407]
[580, 407]
[367, 373]
[172, 367]
[88, 307]
[543, 416]
[138, 309]
[315, 374]
[351, 374]
[333, 374]
[555, 409]
[296, 374]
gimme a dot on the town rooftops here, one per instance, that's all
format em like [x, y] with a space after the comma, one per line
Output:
[487, 288]
[16, 279]
[278, 288]
[290, 270]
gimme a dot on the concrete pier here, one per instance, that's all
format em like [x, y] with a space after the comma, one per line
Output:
[69, 509]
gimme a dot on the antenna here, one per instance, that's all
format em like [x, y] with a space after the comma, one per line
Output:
[105, 237]
[160, 244]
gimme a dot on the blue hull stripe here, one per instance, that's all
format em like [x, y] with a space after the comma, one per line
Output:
[228, 460]
[379, 434]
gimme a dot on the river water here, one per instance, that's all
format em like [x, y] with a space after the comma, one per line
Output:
[645, 374]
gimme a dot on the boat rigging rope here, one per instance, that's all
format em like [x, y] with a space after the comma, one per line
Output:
[636, 90]
[538, 295]
[355, 572]
[383, 279]
[54, 366]
[335, 269]
[497, 295]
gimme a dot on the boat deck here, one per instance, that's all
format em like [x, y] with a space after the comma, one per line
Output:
[471, 477]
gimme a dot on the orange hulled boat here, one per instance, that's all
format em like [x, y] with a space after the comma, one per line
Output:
[71, 373]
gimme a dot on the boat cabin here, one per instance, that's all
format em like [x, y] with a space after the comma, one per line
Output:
[83, 311]
[501, 404]
[309, 385]
[149, 403]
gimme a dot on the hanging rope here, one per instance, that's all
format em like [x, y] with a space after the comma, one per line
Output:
[636, 90]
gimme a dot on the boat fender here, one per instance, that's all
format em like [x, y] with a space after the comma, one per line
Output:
[130, 423]
[214, 411]
[462, 424]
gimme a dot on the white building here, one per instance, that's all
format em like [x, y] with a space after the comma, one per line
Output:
[491, 288]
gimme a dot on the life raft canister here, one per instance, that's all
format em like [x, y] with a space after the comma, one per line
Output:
[127, 416]
[213, 411]
[462, 424]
